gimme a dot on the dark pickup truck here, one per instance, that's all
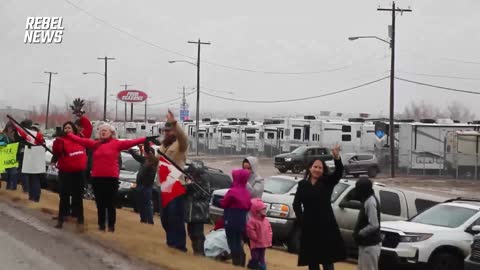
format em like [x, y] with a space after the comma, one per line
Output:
[298, 160]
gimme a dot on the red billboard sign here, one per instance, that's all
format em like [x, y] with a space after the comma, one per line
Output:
[132, 96]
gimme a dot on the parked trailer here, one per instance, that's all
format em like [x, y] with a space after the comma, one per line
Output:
[422, 145]
[461, 152]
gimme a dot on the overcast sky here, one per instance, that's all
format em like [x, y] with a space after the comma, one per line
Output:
[437, 38]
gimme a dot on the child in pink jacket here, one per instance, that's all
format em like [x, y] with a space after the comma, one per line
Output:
[259, 232]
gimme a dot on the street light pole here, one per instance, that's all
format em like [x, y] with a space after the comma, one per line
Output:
[197, 126]
[105, 93]
[48, 97]
[391, 126]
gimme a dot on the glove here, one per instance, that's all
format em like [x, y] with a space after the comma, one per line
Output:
[147, 148]
[152, 139]
[77, 106]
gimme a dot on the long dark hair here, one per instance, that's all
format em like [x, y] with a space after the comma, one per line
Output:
[74, 128]
[310, 164]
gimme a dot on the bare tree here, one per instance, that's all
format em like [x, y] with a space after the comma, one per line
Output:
[422, 110]
[458, 111]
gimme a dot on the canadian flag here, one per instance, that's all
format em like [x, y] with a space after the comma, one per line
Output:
[170, 185]
[36, 138]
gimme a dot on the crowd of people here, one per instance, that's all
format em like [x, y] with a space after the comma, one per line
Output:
[81, 159]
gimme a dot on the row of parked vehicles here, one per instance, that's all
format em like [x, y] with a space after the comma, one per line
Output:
[417, 228]
[355, 163]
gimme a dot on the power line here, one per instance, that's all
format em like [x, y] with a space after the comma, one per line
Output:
[125, 32]
[448, 59]
[440, 76]
[288, 73]
[439, 87]
[298, 99]
[168, 101]
[208, 62]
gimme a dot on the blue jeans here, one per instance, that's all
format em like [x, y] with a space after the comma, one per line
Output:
[12, 178]
[34, 189]
[144, 203]
[173, 222]
[24, 181]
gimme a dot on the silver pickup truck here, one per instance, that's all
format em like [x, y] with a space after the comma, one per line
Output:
[396, 204]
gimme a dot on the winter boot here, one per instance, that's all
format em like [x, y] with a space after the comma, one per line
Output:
[237, 259]
[198, 247]
[59, 224]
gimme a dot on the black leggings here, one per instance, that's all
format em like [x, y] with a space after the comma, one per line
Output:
[71, 183]
[105, 190]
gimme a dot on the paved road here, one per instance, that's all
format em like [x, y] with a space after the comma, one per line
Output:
[26, 243]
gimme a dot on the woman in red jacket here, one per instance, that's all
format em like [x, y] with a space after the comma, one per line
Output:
[105, 169]
[71, 164]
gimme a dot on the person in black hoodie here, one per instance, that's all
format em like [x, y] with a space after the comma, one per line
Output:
[197, 202]
[145, 179]
[367, 230]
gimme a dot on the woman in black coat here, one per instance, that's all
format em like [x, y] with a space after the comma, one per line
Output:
[321, 241]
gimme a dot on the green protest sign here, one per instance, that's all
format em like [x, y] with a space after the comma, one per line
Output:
[8, 156]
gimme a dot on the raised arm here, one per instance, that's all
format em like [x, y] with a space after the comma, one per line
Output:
[87, 126]
[338, 173]
[182, 138]
[88, 143]
[126, 144]
[137, 157]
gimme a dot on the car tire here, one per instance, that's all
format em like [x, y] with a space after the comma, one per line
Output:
[293, 245]
[297, 168]
[282, 170]
[372, 172]
[446, 261]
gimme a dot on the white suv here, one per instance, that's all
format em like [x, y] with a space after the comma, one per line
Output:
[440, 236]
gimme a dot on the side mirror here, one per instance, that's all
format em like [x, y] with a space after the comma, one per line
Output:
[476, 229]
[351, 204]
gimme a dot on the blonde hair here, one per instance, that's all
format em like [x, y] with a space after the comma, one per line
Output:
[107, 127]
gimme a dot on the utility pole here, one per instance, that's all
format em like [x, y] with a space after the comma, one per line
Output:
[146, 110]
[126, 86]
[199, 43]
[48, 97]
[105, 93]
[391, 132]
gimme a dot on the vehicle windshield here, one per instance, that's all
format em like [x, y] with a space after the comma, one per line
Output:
[275, 185]
[299, 150]
[337, 191]
[445, 216]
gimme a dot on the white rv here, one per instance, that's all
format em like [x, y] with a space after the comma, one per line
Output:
[422, 145]
[461, 151]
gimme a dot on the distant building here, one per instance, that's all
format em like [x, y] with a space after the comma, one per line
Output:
[18, 114]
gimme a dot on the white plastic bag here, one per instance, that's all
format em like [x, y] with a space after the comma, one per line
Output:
[216, 243]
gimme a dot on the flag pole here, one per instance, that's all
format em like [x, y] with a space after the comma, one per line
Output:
[28, 132]
[183, 171]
